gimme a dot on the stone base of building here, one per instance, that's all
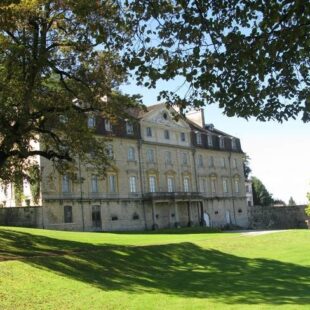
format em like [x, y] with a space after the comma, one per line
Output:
[128, 215]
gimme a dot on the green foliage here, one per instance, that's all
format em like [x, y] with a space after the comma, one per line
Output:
[291, 202]
[34, 174]
[58, 59]
[261, 196]
[246, 166]
[53, 75]
[308, 207]
[250, 58]
[18, 192]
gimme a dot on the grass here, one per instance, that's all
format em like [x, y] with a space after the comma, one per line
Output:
[41, 269]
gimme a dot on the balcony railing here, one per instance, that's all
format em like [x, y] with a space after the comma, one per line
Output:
[172, 195]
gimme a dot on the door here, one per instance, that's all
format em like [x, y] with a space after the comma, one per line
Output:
[206, 219]
[96, 217]
[227, 214]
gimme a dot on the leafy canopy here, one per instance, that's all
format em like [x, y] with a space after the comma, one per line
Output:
[249, 57]
[59, 58]
[53, 75]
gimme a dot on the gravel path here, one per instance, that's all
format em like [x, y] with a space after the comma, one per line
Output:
[260, 232]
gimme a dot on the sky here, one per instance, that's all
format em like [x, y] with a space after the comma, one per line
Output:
[280, 153]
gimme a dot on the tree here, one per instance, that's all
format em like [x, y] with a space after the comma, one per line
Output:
[279, 202]
[249, 57]
[261, 196]
[59, 58]
[291, 202]
[53, 76]
[246, 166]
[308, 207]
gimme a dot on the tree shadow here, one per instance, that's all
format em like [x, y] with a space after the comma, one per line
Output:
[183, 269]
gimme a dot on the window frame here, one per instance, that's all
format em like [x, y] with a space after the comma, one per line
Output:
[107, 125]
[166, 134]
[152, 183]
[129, 128]
[149, 132]
[131, 153]
[68, 219]
[132, 184]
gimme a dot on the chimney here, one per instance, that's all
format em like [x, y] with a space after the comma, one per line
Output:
[196, 116]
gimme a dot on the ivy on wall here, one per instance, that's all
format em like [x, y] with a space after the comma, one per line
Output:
[34, 175]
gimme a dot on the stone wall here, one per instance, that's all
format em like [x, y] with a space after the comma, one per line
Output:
[277, 217]
[23, 216]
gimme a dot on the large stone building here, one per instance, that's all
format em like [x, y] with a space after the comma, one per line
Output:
[165, 172]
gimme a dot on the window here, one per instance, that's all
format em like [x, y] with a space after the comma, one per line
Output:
[112, 183]
[202, 185]
[234, 163]
[186, 184]
[150, 156]
[222, 161]
[233, 144]
[249, 203]
[91, 121]
[247, 188]
[152, 184]
[184, 159]
[148, 131]
[200, 160]
[198, 138]
[183, 137]
[131, 153]
[225, 186]
[213, 185]
[133, 184]
[170, 184]
[129, 128]
[210, 141]
[68, 214]
[221, 142]
[94, 184]
[167, 134]
[168, 159]
[107, 125]
[65, 186]
[211, 161]
[237, 185]
[109, 151]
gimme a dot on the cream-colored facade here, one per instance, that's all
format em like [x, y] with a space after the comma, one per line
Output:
[166, 173]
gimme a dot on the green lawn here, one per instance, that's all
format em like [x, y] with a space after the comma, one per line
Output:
[41, 269]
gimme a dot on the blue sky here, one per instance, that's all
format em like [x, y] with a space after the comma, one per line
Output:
[280, 153]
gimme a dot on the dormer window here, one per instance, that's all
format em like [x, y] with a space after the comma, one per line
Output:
[91, 121]
[221, 142]
[167, 134]
[148, 131]
[107, 125]
[129, 128]
[198, 138]
[210, 141]
[233, 144]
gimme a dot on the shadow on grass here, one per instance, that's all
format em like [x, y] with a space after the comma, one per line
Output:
[183, 269]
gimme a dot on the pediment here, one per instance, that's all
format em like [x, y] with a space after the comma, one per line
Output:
[165, 117]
